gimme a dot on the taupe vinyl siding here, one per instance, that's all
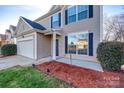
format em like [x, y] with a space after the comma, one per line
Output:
[89, 25]
[43, 46]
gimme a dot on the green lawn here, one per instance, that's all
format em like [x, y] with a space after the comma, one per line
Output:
[28, 77]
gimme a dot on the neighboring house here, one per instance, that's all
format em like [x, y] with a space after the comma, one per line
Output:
[2, 39]
[64, 30]
[10, 35]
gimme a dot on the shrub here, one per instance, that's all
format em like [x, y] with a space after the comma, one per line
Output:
[9, 49]
[111, 55]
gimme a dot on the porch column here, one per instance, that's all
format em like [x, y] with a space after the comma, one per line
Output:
[54, 46]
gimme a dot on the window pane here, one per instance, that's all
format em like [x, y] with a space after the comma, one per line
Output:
[55, 21]
[55, 17]
[72, 11]
[82, 12]
[82, 15]
[72, 19]
[55, 24]
[82, 43]
[72, 40]
[82, 8]
[72, 14]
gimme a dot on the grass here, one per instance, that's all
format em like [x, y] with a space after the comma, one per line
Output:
[28, 77]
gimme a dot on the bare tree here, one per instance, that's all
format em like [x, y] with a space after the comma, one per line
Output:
[114, 28]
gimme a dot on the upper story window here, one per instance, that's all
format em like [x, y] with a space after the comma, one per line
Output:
[71, 14]
[82, 12]
[79, 12]
[56, 20]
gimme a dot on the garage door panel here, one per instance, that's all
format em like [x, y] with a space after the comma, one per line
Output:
[26, 48]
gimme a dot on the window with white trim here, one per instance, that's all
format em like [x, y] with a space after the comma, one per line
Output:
[71, 14]
[76, 13]
[78, 43]
[82, 12]
[55, 21]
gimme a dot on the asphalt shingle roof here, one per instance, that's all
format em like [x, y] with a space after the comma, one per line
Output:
[34, 24]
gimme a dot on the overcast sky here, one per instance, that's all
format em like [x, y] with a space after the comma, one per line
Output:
[9, 14]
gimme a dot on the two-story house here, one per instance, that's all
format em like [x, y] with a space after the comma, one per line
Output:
[10, 35]
[64, 30]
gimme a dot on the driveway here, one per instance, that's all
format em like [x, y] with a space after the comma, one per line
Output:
[12, 61]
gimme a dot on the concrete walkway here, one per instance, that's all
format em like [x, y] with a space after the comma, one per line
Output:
[82, 63]
[12, 61]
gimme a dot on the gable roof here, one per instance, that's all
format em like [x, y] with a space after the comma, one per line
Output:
[34, 24]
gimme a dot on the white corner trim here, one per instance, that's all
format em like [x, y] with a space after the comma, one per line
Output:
[54, 46]
[101, 23]
[36, 49]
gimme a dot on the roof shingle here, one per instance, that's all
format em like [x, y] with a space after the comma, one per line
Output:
[34, 24]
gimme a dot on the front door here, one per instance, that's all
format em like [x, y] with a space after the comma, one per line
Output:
[57, 47]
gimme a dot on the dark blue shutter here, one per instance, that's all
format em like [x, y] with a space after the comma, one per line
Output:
[90, 11]
[59, 19]
[66, 44]
[51, 22]
[66, 17]
[90, 44]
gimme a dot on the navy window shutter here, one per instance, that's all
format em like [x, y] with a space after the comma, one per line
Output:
[66, 44]
[66, 17]
[90, 11]
[51, 22]
[59, 19]
[90, 44]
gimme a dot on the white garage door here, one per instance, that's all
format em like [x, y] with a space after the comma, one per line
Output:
[25, 48]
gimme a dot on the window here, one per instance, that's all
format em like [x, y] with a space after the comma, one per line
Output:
[72, 40]
[55, 20]
[71, 14]
[82, 44]
[78, 44]
[82, 12]
[76, 13]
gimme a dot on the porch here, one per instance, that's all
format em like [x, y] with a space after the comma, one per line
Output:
[54, 33]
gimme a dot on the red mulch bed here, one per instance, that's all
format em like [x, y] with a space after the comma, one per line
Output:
[81, 77]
